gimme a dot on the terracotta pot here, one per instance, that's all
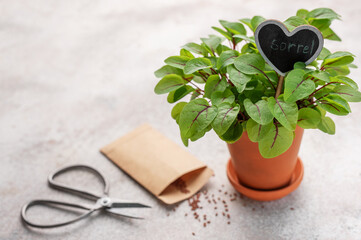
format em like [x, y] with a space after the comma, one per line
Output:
[261, 173]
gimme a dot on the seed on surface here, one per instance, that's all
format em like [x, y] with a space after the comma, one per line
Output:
[193, 234]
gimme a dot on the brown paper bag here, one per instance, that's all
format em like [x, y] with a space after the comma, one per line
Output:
[158, 164]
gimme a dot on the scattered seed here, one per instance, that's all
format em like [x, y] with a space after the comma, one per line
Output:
[292, 208]
[228, 223]
[193, 234]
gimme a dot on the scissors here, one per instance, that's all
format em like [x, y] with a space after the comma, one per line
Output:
[102, 201]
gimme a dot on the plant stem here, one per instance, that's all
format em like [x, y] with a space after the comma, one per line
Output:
[234, 44]
[279, 86]
[190, 81]
[203, 76]
[243, 116]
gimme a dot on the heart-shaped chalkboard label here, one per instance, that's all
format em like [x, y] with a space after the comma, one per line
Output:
[282, 49]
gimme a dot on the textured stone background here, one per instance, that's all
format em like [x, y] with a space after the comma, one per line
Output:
[75, 75]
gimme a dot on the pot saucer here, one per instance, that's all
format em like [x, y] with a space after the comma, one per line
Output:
[266, 195]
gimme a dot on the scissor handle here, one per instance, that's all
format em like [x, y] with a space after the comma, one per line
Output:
[51, 202]
[90, 195]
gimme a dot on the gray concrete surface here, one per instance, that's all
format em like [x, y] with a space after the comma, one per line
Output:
[75, 75]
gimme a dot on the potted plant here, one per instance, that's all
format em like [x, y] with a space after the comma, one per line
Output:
[259, 112]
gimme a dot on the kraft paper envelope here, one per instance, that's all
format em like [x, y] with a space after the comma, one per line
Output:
[158, 164]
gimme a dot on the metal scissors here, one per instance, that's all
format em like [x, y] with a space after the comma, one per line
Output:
[103, 202]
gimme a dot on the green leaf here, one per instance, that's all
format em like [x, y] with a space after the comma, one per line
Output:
[335, 104]
[323, 13]
[256, 131]
[213, 84]
[244, 37]
[233, 27]
[198, 79]
[200, 134]
[255, 21]
[177, 109]
[178, 94]
[169, 83]
[195, 48]
[299, 65]
[226, 58]
[186, 53]
[196, 116]
[177, 61]
[233, 133]
[226, 115]
[277, 141]
[320, 75]
[259, 111]
[238, 78]
[341, 70]
[293, 22]
[347, 93]
[195, 95]
[308, 118]
[329, 34]
[296, 86]
[224, 33]
[247, 21]
[197, 64]
[221, 48]
[338, 59]
[345, 80]
[302, 13]
[218, 98]
[321, 24]
[166, 70]
[249, 63]
[327, 125]
[285, 113]
[212, 43]
[324, 53]
[351, 65]
[249, 48]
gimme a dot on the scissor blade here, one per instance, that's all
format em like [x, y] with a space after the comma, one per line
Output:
[114, 212]
[117, 204]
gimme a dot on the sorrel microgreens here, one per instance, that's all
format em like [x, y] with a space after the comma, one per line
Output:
[239, 88]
